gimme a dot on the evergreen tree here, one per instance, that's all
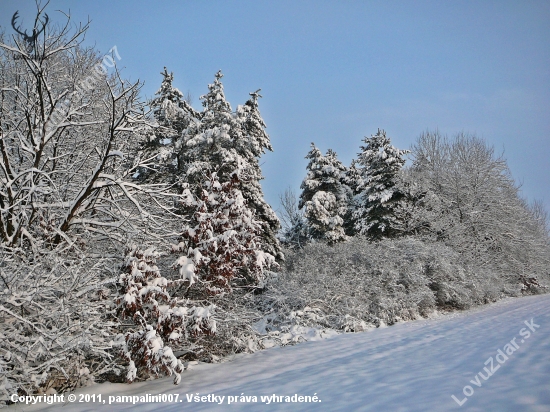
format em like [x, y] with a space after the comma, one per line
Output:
[379, 187]
[209, 142]
[222, 244]
[172, 114]
[351, 180]
[229, 143]
[251, 144]
[324, 196]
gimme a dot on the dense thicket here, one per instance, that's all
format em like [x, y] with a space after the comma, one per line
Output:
[357, 285]
[66, 122]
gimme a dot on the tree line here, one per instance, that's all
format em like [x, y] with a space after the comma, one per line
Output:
[455, 191]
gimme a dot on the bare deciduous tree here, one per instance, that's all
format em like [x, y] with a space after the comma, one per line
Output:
[69, 125]
[480, 211]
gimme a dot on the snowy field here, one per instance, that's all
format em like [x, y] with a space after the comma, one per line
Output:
[413, 366]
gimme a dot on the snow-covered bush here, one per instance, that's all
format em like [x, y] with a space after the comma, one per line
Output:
[169, 322]
[352, 283]
[186, 318]
[145, 300]
[362, 284]
[56, 332]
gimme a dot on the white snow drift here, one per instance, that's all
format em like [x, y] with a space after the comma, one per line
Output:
[411, 366]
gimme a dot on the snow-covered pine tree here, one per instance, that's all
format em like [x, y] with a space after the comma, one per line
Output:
[209, 142]
[172, 114]
[222, 245]
[352, 180]
[226, 143]
[379, 187]
[324, 196]
[251, 143]
[145, 300]
[159, 318]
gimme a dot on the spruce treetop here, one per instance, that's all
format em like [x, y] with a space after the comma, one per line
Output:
[166, 90]
[381, 161]
[254, 135]
[169, 105]
[214, 100]
[324, 196]
[379, 186]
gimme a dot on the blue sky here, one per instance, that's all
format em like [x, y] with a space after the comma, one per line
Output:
[332, 72]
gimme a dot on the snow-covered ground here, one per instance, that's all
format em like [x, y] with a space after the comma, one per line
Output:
[413, 366]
